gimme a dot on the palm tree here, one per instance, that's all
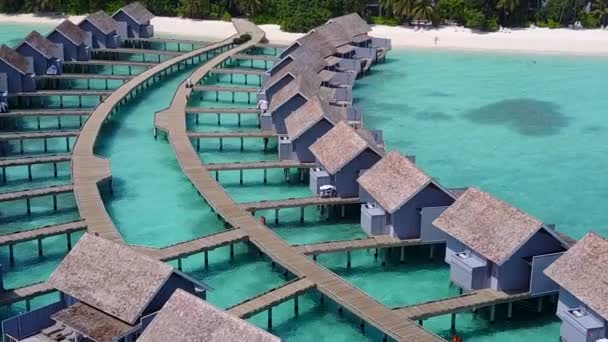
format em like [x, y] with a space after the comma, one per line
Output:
[424, 10]
[249, 7]
[401, 8]
[507, 6]
[600, 7]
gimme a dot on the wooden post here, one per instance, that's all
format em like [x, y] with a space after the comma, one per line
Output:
[242, 144]
[265, 176]
[231, 251]
[421, 322]
[241, 176]
[221, 144]
[28, 305]
[492, 313]
[55, 169]
[29, 171]
[238, 115]
[402, 258]
[40, 247]
[27, 204]
[539, 306]
[179, 264]
[206, 259]
[301, 214]
[68, 237]
[219, 121]
[296, 307]
[11, 253]
[270, 318]
[54, 202]
[509, 310]
[348, 260]
[453, 324]
[314, 257]
[432, 252]
[276, 216]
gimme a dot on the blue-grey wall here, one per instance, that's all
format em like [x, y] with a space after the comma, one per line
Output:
[279, 66]
[289, 50]
[345, 180]
[175, 282]
[41, 63]
[99, 39]
[15, 79]
[134, 30]
[301, 145]
[70, 50]
[281, 113]
[406, 220]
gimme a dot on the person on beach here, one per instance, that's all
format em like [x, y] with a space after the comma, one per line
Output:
[263, 105]
[436, 39]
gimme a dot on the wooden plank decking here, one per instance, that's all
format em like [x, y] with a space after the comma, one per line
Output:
[43, 159]
[469, 301]
[38, 135]
[243, 56]
[296, 203]
[238, 71]
[352, 245]
[139, 51]
[204, 110]
[259, 165]
[24, 194]
[69, 76]
[271, 298]
[115, 63]
[24, 293]
[394, 324]
[45, 112]
[168, 40]
[271, 45]
[63, 92]
[39, 233]
[235, 89]
[232, 134]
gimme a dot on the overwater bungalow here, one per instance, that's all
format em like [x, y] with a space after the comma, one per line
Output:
[491, 244]
[137, 17]
[186, 318]
[46, 55]
[294, 95]
[401, 200]
[337, 36]
[582, 276]
[342, 155]
[76, 42]
[105, 31]
[309, 123]
[16, 71]
[108, 291]
[359, 29]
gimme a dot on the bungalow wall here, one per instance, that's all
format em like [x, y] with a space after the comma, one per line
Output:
[100, 40]
[175, 282]
[41, 63]
[579, 329]
[345, 180]
[300, 146]
[280, 65]
[281, 113]
[134, 30]
[71, 51]
[291, 48]
[406, 220]
[273, 89]
[16, 81]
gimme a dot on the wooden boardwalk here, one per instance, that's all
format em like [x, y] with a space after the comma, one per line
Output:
[259, 165]
[42, 159]
[353, 245]
[25, 293]
[44, 112]
[296, 203]
[271, 45]
[102, 62]
[207, 243]
[139, 52]
[64, 92]
[238, 71]
[394, 324]
[24, 135]
[168, 40]
[25, 194]
[39, 233]
[271, 298]
[70, 76]
[212, 88]
[232, 134]
[469, 301]
[243, 56]
[204, 110]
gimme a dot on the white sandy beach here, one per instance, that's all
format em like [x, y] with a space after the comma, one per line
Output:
[531, 40]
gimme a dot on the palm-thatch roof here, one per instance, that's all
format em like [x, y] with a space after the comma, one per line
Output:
[102, 21]
[352, 23]
[315, 110]
[39, 43]
[306, 85]
[313, 41]
[334, 34]
[72, 32]
[92, 323]
[341, 144]
[393, 181]
[491, 227]
[583, 271]
[110, 277]
[14, 59]
[294, 69]
[138, 12]
[186, 318]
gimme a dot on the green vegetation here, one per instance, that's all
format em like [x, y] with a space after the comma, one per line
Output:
[302, 15]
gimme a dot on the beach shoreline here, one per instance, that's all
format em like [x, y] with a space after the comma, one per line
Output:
[448, 38]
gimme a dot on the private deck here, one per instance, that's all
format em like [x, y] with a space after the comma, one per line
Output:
[38, 135]
[142, 42]
[128, 51]
[28, 194]
[394, 324]
[271, 298]
[74, 92]
[221, 89]
[353, 245]
[70, 76]
[25, 293]
[204, 110]
[465, 302]
[238, 71]
[286, 164]
[44, 112]
[231, 134]
[103, 62]
[40, 233]
[243, 56]
[296, 203]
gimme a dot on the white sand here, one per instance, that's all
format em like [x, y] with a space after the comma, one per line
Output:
[532, 40]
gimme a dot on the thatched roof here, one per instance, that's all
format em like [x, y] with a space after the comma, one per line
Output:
[72, 32]
[352, 23]
[583, 271]
[309, 114]
[334, 34]
[110, 277]
[491, 227]
[326, 75]
[332, 60]
[186, 318]
[306, 85]
[138, 12]
[14, 59]
[340, 145]
[39, 43]
[393, 181]
[315, 42]
[91, 322]
[295, 68]
[102, 21]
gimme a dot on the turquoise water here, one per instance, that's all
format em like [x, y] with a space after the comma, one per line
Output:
[509, 117]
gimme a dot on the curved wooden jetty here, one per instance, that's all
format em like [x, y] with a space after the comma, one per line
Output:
[39, 233]
[353, 245]
[394, 324]
[270, 298]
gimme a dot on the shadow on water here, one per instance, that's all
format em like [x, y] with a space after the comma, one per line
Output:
[432, 115]
[528, 117]
[593, 129]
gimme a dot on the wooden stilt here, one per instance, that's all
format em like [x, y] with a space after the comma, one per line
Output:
[492, 313]
[301, 214]
[39, 247]
[509, 310]
[402, 257]
[453, 324]
[348, 260]
[270, 318]
[11, 254]
[68, 238]
[296, 308]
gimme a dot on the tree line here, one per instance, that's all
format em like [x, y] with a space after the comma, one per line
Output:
[302, 15]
